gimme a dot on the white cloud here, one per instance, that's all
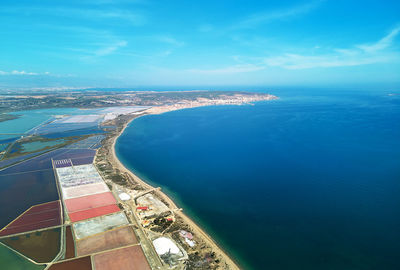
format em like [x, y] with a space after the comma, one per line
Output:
[93, 14]
[382, 43]
[296, 61]
[103, 15]
[170, 40]
[110, 48]
[378, 52]
[165, 53]
[85, 42]
[22, 72]
[229, 69]
[269, 16]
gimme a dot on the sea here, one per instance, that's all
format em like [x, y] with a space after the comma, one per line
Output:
[308, 181]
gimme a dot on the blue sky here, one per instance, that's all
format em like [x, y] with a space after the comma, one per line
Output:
[122, 43]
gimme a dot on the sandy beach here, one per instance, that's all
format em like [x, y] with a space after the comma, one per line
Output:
[229, 263]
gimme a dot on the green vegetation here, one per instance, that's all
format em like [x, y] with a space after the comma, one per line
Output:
[35, 144]
[39, 145]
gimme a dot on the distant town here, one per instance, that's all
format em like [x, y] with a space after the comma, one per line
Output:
[40, 99]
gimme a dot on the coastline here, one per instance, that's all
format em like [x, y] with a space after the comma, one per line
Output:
[229, 263]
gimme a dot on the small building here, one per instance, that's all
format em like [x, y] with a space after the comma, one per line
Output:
[146, 223]
[190, 242]
[124, 196]
[186, 234]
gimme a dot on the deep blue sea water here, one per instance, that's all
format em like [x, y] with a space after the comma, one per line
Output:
[309, 181]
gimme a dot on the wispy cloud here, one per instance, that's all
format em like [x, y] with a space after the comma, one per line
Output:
[276, 15]
[381, 44]
[22, 72]
[102, 50]
[92, 14]
[296, 61]
[95, 14]
[364, 54]
[85, 43]
[229, 69]
[170, 40]
[110, 49]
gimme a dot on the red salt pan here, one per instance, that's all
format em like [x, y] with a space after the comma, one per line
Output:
[89, 202]
[93, 212]
[37, 217]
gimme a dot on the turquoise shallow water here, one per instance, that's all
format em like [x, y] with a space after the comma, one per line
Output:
[33, 118]
[29, 120]
[34, 146]
[310, 181]
[12, 261]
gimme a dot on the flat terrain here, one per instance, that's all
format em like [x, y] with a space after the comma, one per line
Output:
[42, 247]
[101, 224]
[36, 217]
[130, 258]
[100, 99]
[11, 260]
[70, 244]
[119, 237]
[77, 264]
[84, 190]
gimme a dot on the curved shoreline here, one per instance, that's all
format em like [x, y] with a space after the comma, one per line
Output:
[196, 228]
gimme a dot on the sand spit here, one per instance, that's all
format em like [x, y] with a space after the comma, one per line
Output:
[225, 261]
[230, 264]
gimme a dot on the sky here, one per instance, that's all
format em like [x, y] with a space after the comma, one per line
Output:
[122, 43]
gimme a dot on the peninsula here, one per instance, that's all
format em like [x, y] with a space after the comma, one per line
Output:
[168, 239]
